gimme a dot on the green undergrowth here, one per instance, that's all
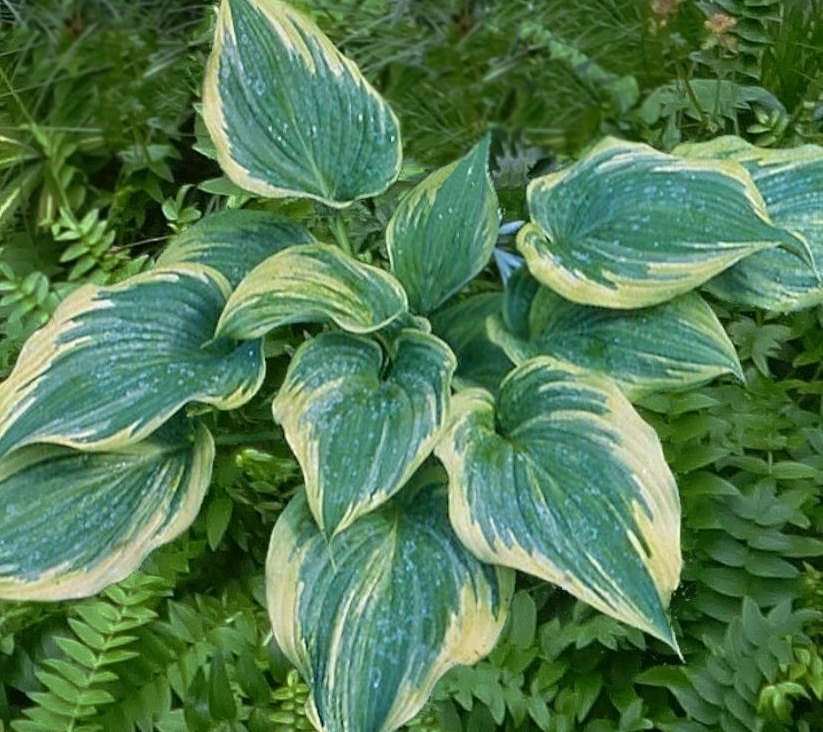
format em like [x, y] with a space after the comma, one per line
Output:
[185, 644]
[97, 125]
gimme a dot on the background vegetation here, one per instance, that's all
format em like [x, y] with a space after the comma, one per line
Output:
[103, 157]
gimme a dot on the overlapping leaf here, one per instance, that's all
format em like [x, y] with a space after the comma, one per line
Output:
[677, 344]
[72, 522]
[373, 620]
[791, 182]
[312, 283]
[562, 479]
[443, 232]
[360, 426]
[463, 326]
[289, 114]
[628, 226]
[233, 242]
[115, 363]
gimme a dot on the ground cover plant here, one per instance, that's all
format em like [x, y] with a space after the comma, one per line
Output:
[414, 365]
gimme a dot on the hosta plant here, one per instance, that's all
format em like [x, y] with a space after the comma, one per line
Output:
[446, 439]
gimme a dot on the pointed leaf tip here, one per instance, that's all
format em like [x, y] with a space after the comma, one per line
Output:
[268, 68]
[591, 504]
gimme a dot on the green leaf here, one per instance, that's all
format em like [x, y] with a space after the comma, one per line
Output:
[628, 226]
[523, 622]
[233, 242]
[443, 231]
[115, 363]
[16, 191]
[589, 502]
[73, 522]
[791, 183]
[313, 283]
[222, 705]
[375, 619]
[520, 290]
[675, 345]
[463, 326]
[218, 517]
[290, 115]
[360, 424]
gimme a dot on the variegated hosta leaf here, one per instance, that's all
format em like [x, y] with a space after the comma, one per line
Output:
[289, 114]
[115, 363]
[375, 618]
[628, 226]
[72, 522]
[562, 479]
[463, 326]
[521, 289]
[443, 232]
[791, 182]
[234, 242]
[677, 344]
[358, 425]
[313, 283]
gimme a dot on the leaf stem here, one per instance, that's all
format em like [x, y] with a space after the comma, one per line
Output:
[338, 228]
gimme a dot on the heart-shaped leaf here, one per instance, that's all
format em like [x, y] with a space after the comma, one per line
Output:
[628, 226]
[677, 344]
[443, 231]
[73, 522]
[562, 479]
[375, 619]
[313, 283]
[289, 114]
[360, 426]
[233, 242]
[791, 182]
[115, 363]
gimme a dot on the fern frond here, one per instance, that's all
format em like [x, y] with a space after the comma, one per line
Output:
[98, 641]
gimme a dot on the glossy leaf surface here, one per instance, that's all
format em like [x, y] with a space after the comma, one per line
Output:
[628, 227]
[114, 363]
[314, 283]
[233, 242]
[289, 114]
[672, 346]
[73, 522]
[443, 232]
[791, 182]
[374, 623]
[561, 478]
[359, 423]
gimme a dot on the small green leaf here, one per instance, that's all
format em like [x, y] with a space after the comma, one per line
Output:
[233, 242]
[628, 227]
[252, 680]
[222, 706]
[443, 231]
[523, 620]
[590, 503]
[791, 183]
[218, 517]
[313, 283]
[360, 424]
[289, 114]
[115, 363]
[74, 522]
[671, 346]
[373, 624]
